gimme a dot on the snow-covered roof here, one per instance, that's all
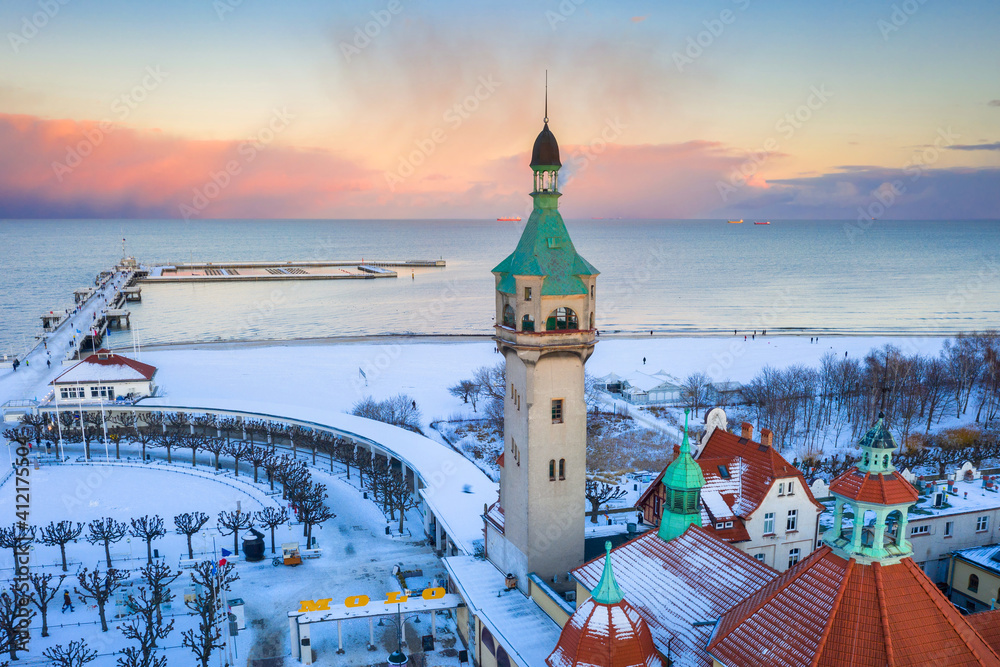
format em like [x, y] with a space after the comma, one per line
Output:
[105, 366]
[681, 587]
[987, 557]
[716, 505]
[525, 631]
[455, 489]
[972, 496]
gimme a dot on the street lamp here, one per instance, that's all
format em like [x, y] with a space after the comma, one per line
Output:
[397, 657]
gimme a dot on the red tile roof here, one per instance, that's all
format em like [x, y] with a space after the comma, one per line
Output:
[987, 624]
[763, 465]
[674, 585]
[605, 635]
[494, 514]
[830, 612]
[889, 489]
[104, 359]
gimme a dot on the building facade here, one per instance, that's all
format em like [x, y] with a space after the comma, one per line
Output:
[104, 376]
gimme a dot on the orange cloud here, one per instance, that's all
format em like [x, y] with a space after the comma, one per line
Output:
[66, 168]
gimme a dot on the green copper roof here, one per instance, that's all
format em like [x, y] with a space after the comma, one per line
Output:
[878, 436]
[607, 591]
[545, 249]
[684, 472]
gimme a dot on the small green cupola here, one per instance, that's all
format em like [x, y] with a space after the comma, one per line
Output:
[607, 591]
[877, 446]
[682, 481]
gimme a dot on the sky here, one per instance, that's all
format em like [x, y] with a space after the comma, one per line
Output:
[783, 109]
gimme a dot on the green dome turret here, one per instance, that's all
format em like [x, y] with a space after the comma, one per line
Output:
[682, 481]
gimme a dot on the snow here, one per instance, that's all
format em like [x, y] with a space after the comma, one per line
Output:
[982, 556]
[88, 372]
[526, 632]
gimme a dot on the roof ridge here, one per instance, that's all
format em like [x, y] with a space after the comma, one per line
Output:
[773, 593]
[883, 611]
[834, 608]
[948, 611]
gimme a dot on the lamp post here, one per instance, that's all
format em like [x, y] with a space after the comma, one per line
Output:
[397, 657]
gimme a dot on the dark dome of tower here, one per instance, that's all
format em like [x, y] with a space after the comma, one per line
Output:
[545, 152]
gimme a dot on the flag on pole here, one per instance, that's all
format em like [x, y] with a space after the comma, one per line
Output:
[226, 552]
[362, 373]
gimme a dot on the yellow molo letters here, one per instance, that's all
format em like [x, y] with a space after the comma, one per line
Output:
[394, 597]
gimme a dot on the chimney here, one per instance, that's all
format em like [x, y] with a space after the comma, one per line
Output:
[677, 451]
[746, 431]
[766, 437]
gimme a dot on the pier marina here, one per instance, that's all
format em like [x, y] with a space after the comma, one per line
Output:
[294, 270]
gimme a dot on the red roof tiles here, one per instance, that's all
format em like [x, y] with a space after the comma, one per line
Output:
[987, 625]
[882, 489]
[602, 635]
[830, 612]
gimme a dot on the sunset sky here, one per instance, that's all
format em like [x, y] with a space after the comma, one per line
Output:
[260, 109]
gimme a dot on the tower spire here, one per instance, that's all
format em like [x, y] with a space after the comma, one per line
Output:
[682, 481]
[546, 119]
[607, 591]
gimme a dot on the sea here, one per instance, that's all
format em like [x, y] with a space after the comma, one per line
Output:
[687, 277]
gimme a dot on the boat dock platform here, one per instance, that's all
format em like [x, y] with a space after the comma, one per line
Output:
[306, 270]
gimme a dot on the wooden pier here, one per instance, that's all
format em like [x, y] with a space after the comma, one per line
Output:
[306, 270]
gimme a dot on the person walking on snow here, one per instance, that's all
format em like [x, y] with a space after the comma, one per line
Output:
[67, 602]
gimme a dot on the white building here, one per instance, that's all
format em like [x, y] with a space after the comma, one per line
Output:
[104, 376]
[641, 388]
[752, 498]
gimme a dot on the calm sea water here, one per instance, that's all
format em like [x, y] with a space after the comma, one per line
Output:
[667, 276]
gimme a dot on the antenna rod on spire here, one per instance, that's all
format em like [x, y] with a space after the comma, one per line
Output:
[546, 96]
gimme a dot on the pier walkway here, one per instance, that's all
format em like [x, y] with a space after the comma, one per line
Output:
[305, 270]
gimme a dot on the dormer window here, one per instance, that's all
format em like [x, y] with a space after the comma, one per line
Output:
[553, 242]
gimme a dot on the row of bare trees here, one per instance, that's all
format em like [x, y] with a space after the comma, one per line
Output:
[809, 407]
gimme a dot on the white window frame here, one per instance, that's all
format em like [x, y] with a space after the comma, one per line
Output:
[794, 556]
[982, 523]
[781, 488]
[769, 523]
[792, 521]
[762, 557]
[922, 529]
[949, 528]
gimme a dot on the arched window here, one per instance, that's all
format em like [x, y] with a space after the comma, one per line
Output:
[488, 641]
[562, 468]
[503, 660]
[552, 470]
[885, 461]
[561, 319]
[527, 323]
[893, 533]
[973, 583]
[508, 316]
[591, 320]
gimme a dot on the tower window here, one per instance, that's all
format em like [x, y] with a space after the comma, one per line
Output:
[557, 411]
[562, 468]
[508, 316]
[561, 319]
[527, 294]
[552, 470]
[527, 323]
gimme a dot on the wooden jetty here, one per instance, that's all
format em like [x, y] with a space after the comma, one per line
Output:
[116, 317]
[304, 270]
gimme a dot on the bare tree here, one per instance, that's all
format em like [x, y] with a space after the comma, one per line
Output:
[61, 534]
[232, 523]
[399, 496]
[239, 450]
[148, 528]
[599, 492]
[400, 410]
[207, 606]
[344, 451]
[257, 456]
[17, 538]
[75, 654]
[695, 391]
[123, 425]
[37, 424]
[310, 501]
[44, 591]
[146, 434]
[188, 524]
[105, 531]
[467, 390]
[271, 518]
[216, 446]
[99, 588]
[169, 440]
[144, 629]
[14, 615]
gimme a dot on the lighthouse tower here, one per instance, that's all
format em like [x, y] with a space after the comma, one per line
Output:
[545, 302]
